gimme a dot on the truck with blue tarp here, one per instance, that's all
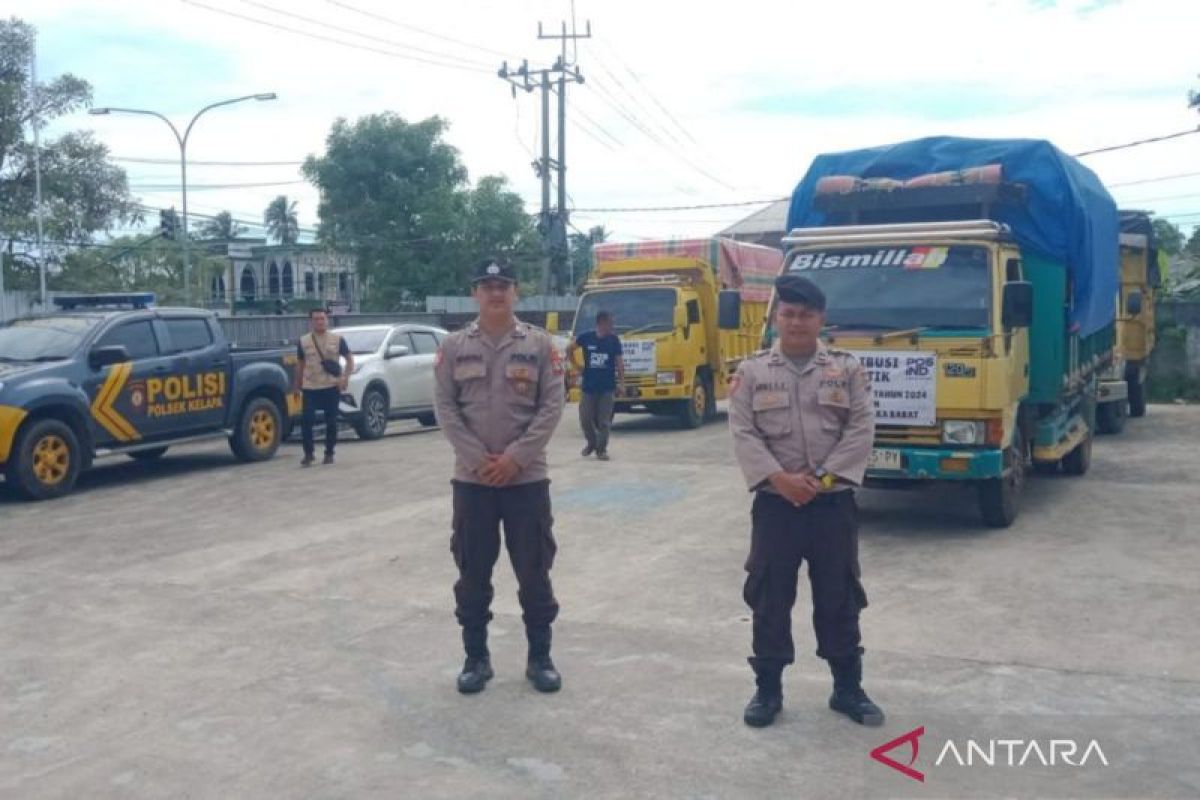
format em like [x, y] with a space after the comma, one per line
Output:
[975, 280]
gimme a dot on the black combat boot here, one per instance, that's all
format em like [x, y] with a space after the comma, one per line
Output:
[848, 695]
[768, 700]
[477, 669]
[540, 670]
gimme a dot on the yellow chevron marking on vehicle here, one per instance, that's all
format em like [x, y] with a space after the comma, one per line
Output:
[10, 419]
[102, 406]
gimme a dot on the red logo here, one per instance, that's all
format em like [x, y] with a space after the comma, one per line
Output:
[913, 738]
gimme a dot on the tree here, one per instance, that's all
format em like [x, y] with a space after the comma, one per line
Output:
[1192, 248]
[222, 226]
[134, 264]
[1168, 236]
[82, 193]
[581, 252]
[397, 196]
[280, 219]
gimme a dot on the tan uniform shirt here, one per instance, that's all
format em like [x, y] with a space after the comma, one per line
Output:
[783, 418]
[499, 398]
[315, 376]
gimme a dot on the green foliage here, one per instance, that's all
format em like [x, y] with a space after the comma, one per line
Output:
[1168, 236]
[136, 264]
[397, 195]
[82, 192]
[280, 219]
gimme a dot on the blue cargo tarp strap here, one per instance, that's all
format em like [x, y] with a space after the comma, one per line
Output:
[1069, 216]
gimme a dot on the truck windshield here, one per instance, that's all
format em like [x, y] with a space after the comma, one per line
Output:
[44, 338]
[901, 286]
[364, 341]
[633, 310]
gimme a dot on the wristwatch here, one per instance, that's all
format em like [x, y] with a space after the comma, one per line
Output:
[826, 478]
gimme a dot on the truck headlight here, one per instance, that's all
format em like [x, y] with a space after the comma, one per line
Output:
[666, 377]
[962, 431]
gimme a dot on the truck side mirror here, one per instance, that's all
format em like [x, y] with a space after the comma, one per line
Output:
[397, 351]
[1133, 303]
[729, 310]
[1017, 305]
[101, 357]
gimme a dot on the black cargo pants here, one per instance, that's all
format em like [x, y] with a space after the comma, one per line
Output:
[525, 511]
[825, 534]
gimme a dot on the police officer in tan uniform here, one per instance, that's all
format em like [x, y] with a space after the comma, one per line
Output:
[802, 419]
[499, 395]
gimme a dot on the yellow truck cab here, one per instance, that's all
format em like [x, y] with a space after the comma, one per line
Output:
[974, 279]
[687, 311]
[1123, 384]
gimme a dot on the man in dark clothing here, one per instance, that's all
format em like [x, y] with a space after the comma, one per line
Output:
[603, 372]
[321, 377]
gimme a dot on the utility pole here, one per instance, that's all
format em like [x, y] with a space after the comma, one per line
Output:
[552, 223]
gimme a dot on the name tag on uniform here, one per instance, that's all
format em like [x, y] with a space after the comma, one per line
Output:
[518, 372]
[469, 370]
[771, 400]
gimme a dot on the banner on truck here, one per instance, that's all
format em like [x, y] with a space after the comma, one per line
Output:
[905, 386]
[639, 356]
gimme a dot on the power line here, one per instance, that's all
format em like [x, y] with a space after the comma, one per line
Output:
[332, 40]
[191, 163]
[164, 187]
[1154, 180]
[680, 208]
[407, 26]
[352, 32]
[666, 112]
[1137, 143]
[1157, 199]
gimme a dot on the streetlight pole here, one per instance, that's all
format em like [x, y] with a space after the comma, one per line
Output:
[182, 141]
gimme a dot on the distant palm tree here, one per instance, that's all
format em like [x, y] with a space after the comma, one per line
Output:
[281, 222]
[222, 226]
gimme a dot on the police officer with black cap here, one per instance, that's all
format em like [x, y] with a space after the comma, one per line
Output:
[499, 395]
[802, 419]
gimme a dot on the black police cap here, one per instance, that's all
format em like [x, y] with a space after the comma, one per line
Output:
[493, 269]
[793, 288]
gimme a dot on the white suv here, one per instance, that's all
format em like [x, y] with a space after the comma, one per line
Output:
[393, 376]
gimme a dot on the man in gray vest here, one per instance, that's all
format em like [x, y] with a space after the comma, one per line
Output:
[321, 377]
[499, 395]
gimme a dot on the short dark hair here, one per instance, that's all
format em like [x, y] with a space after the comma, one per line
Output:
[312, 312]
[603, 316]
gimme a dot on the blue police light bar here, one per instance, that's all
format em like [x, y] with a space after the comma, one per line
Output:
[114, 300]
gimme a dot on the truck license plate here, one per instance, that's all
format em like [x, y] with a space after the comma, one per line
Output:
[883, 458]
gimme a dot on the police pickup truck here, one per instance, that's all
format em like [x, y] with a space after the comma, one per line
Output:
[114, 376]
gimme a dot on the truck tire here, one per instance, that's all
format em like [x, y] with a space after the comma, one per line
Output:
[47, 460]
[373, 421]
[1078, 461]
[1110, 417]
[148, 455]
[428, 420]
[1000, 498]
[692, 412]
[259, 430]
[1137, 395]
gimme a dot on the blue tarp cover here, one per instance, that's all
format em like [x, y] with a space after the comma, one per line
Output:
[1069, 215]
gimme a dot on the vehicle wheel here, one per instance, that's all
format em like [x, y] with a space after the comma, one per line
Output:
[999, 498]
[47, 460]
[428, 420]
[258, 432]
[691, 412]
[148, 455]
[1137, 396]
[1078, 460]
[373, 421]
[710, 410]
[1110, 417]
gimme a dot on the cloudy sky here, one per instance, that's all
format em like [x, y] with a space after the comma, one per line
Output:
[680, 106]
